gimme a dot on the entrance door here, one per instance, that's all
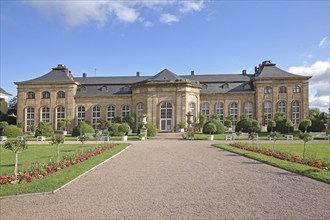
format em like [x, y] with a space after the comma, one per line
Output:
[166, 111]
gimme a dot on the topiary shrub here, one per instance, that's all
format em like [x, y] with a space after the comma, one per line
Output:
[12, 131]
[44, 129]
[82, 127]
[124, 128]
[220, 129]
[114, 129]
[317, 126]
[151, 130]
[244, 125]
[209, 128]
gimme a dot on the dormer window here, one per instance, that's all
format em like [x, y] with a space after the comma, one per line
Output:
[268, 90]
[296, 89]
[60, 95]
[104, 89]
[225, 86]
[45, 95]
[82, 89]
[282, 89]
[30, 95]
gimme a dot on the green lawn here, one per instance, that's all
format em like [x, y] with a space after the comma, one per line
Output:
[58, 179]
[305, 170]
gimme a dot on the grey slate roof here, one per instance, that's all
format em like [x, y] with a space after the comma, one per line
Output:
[106, 90]
[270, 70]
[2, 91]
[219, 78]
[227, 87]
[165, 75]
[121, 80]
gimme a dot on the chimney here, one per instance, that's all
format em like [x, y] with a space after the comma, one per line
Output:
[243, 72]
[84, 75]
[255, 70]
[137, 74]
[192, 73]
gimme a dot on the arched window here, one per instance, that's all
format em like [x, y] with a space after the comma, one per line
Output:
[96, 114]
[45, 114]
[248, 109]
[111, 113]
[268, 90]
[295, 112]
[60, 114]
[281, 106]
[267, 111]
[205, 108]
[80, 113]
[233, 109]
[219, 110]
[29, 118]
[296, 89]
[45, 95]
[166, 111]
[60, 95]
[192, 108]
[282, 89]
[125, 112]
[139, 112]
[30, 95]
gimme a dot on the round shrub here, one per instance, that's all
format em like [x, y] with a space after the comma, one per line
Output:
[3, 124]
[82, 127]
[317, 126]
[124, 128]
[209, 128]
[220, 129]
[244, 126]
[44, 129]
[114, 129]
[12, 131]
[151, 130]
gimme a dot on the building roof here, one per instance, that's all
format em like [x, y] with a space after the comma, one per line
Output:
[2, 91]
[166, 75]
[58, 74]
[268, 69]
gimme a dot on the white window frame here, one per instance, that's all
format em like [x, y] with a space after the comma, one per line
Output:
[96, 114]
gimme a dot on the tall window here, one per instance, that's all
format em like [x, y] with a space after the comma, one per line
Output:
[248, 109]
[296, 89]
[60, 95]
[29, 118]
[125, 112]
[139, 112]
[192, 108]
[234, 112]
[45, 95]
[60, 114]
[281, 106]
[30, 95]
[96, 114]
[219, 110]
[80, 113]
[111, 113]
[282, 89]
[267, 111]
[205, 108]
[45, 114]
[166, 111]
[295, 112]
[268, 90]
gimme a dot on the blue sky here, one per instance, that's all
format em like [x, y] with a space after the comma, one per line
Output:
[122, 37]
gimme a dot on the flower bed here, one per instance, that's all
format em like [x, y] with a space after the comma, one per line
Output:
[291, 158]
[39, 170]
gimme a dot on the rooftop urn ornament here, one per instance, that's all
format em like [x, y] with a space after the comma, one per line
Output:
[143, 130]
[144, 120]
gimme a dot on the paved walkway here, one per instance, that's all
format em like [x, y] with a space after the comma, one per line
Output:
[169, 178]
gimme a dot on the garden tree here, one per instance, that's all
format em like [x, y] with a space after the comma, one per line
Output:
[289, 124]
[202, 120]
[3, 124]
[16, 147]
[130, 119]
[279, 116]
[81, 129]
[255, 127]
[12, 131]
[314, 113]
[228, 123]
[58, 140]
[114, 129]
[83, 138]
[97, 136]
[306, 123]
[124, 128]
[44, 129]
[275, 135]
[63, 124]
[12, 106]
[238, 133]
[317, 125]
[244, 116]
[101, 123]
[305, 137]
[117, 119]
[210, 128]
[253, 136]
[218, 124]
[271, 124]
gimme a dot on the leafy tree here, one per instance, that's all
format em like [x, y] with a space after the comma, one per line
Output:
[210, 128]
[317, 125]
[81, 129]
[228, 123]
[44, 129]
[306, 123]
[202, 119]
[218, 124]
[275, 135]
[58, 140]
[12, 131]
[83, 138]
[305, 137]
[12, 104]
[124, 128]
[271, 124]
[244, 116]
[255, 127]
[279, 116]
[289, 124]
[16, 147]
[114, 129]
[63, 123]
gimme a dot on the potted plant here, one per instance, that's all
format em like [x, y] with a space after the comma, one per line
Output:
[210, 128]
[63, 124]
[181, 126]
[123, 130]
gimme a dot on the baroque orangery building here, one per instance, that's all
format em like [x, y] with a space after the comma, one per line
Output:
[165, 98]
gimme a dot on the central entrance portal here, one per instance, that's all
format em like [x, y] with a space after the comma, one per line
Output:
[166, 115]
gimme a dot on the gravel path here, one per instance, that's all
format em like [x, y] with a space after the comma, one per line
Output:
[177, 179]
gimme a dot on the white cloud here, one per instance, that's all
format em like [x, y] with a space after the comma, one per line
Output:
[320, 72]
[76, 13]
[322, 42]
[168, 18]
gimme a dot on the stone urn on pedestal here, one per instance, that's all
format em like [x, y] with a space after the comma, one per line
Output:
[190, 134]
[143, 130]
